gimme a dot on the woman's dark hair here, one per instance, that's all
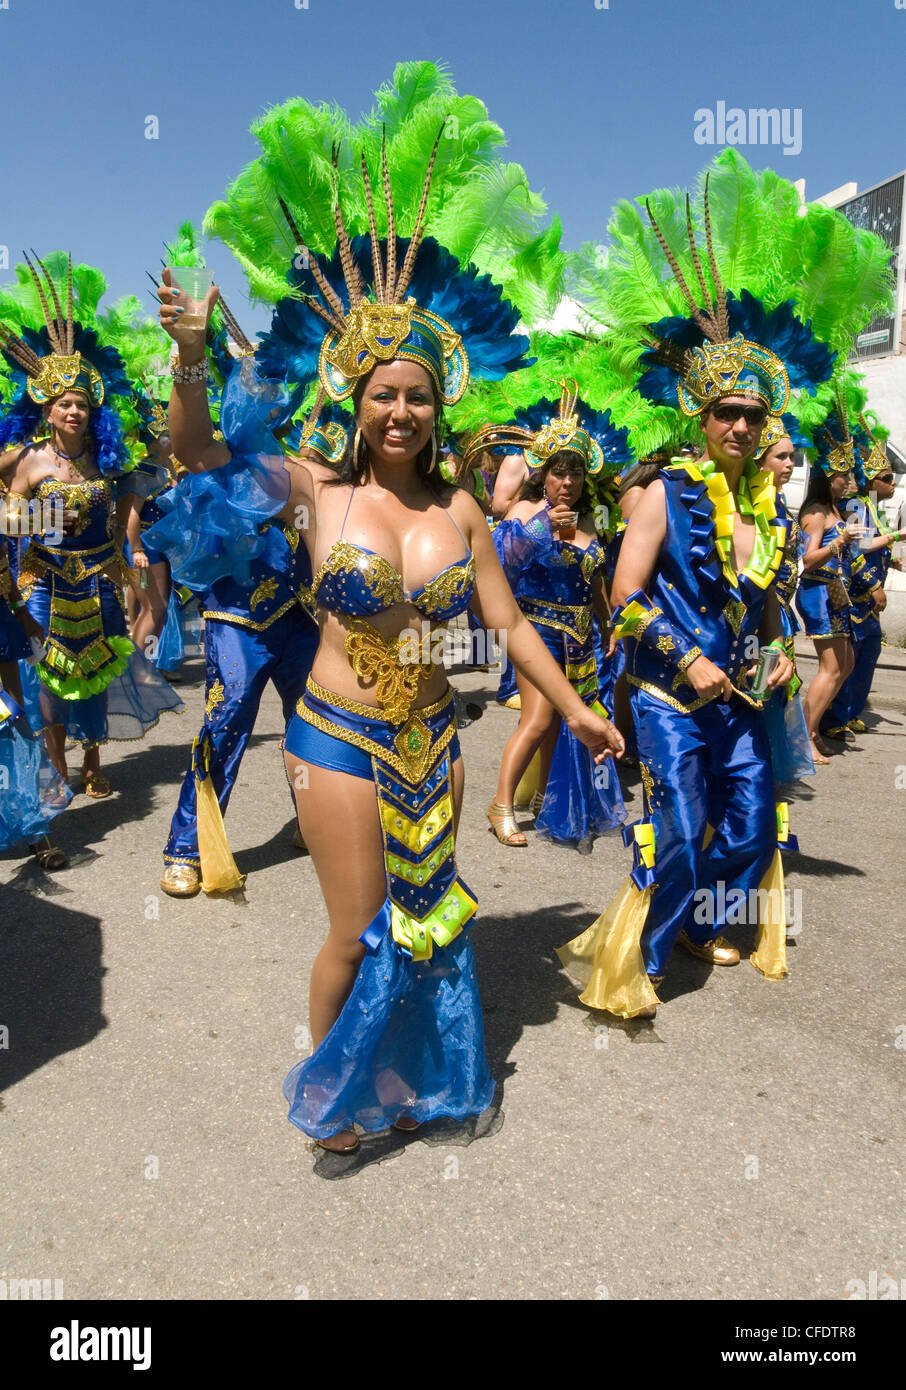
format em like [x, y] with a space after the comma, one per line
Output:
[532, 489]
[355, 471]
[639, 475]
[818, 494]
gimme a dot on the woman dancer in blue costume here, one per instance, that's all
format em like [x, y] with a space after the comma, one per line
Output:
[33, 793]
[874, 477]
[373, 753]
[94, 684]
[787, 733]
[823, 595]
[554, 561]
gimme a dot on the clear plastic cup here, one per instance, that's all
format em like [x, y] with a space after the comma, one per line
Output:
[194, 282]
[568, 532]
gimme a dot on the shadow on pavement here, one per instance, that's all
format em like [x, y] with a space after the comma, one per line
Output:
[50, 977]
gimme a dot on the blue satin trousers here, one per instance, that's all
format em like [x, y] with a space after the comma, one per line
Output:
[852, 697]
[238, 665]
[710, 767]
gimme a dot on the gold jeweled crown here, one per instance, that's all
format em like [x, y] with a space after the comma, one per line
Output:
[874, 460]
[723, 365]
[63, 369]
[390, 326]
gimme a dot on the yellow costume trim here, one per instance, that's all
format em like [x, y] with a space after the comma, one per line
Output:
[417, 835]
[439, 928]
[769, 956]
[635, 618]
[78, 609]
[607, 959]
[425, 870]
[219, 873]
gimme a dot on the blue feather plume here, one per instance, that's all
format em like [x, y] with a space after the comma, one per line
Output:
[808, 361]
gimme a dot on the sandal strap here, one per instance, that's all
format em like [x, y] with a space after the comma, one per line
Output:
[504, 824]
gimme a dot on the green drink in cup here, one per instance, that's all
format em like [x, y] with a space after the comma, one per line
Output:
[194, 282]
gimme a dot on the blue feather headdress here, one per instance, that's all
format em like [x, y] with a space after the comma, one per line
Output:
[726, 346]
[781, 337]
[63, 356]
[388, 298]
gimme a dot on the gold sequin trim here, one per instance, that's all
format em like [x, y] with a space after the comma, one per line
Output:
[381, 579]
[215, 698]
[265, 590]
[659, 694]
[377, 658]
[579, 627]
[377, 750]
[238, 621]
[330, 697]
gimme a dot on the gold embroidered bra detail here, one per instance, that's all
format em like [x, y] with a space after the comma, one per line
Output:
[358, 583]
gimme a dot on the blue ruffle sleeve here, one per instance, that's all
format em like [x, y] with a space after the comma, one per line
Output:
[210, 528]
[520, 546]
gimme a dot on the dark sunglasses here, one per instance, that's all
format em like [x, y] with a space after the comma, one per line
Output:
[754, 415]
[885, 478]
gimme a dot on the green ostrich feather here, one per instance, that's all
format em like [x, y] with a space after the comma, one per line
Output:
[479, 206]
[847, 384]
[764, 241]
[572, 357]
[184, 248]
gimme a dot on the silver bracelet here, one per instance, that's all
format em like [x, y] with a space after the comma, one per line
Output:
[185, 376]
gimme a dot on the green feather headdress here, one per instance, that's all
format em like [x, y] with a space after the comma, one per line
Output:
[480, 208]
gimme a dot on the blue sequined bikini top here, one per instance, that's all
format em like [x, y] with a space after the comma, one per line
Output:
[358, 583]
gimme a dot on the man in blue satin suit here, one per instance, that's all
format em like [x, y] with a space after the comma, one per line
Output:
[694, 605]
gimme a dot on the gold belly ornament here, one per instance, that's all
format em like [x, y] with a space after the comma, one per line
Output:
[381, 660]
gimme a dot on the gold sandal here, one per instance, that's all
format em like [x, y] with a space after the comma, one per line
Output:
[95, 784]
[346, 1149]
[49, 856]
[503, 824]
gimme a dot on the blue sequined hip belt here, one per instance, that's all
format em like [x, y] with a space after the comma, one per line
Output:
[332, 731]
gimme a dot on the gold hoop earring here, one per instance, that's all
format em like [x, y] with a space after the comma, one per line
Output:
[357, 449]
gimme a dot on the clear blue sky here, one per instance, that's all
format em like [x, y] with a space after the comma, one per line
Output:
[597, 104]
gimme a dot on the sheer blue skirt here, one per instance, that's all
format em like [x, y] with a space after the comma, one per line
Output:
[409, 1042]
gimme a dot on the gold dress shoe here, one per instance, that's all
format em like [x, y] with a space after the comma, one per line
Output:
[858, 726]
[717, 951]
[181, 880]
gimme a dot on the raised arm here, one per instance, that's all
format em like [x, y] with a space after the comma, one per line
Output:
[510, 477]
[191, 428]
[646, 532]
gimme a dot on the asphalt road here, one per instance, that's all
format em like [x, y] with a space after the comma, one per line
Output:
[748, 1143]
